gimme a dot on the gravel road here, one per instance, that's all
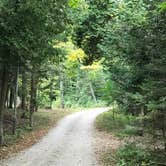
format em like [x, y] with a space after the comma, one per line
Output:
[70, 143]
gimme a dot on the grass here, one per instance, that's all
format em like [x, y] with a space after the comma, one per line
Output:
[133, 155]
[130, 154]
[116, 123]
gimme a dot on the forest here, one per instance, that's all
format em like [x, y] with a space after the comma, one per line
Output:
[59, 54]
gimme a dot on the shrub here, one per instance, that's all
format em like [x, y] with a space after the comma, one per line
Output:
[131, 155]
[133, 131]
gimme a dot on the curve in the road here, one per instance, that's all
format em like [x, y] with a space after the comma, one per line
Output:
[67, 144]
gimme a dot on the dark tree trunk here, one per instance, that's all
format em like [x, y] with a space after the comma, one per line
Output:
[33, 94]
[3, 91]
[51, 94]
[24, 94]
[32, 100]
[11, 98]
[164, 129]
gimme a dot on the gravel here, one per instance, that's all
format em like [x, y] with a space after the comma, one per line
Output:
[70, 143]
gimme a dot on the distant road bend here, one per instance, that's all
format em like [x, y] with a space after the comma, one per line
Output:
[67, 144]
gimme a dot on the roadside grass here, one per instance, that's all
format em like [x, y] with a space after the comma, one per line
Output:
[131, 153]
[117, 123]
[26, 136]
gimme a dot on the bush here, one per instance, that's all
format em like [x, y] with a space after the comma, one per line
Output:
[133, 131]
[131, 155]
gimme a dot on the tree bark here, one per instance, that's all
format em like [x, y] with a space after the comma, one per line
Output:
[3, 91]
[11, 98]
[15, 99]
[51, 94]
[92, 91]
[7, 97]
[61, 86]
[24, 93]
[33, 94]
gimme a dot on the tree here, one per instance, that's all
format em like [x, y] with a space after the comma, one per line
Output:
[28, 28]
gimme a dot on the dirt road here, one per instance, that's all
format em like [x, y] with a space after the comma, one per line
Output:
[67, 144]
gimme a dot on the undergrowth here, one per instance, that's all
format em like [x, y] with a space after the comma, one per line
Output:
[119, 124]
[130, 154]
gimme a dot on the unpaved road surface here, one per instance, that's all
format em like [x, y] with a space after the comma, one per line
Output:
[67, 144]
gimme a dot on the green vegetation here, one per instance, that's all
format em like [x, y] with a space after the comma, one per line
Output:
[118, 123]
[129, 155]
[40, 67]
[83, 53]
[130, 36]
[133, 153]
[110, 123]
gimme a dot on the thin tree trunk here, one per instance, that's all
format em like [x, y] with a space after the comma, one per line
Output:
[61, 86]
[24, 94]
[164, 130]
[11, 98]
[51, 94]
[7, 97]
[113, 111]
[3, 90]
[31, 101]
[15, 100]
[33, 93]
[36, 94]
[92, 91]
[78, 87]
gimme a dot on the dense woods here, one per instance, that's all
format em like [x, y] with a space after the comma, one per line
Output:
[27, 30]
[39, 65]
[84, 53]
[131, 37]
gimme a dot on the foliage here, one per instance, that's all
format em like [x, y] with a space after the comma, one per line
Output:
[26, 41]
[130, 155]
[78, 77]
[122, 31]
[117, 123]
[76, 55]
[86, 53]
[130, 35]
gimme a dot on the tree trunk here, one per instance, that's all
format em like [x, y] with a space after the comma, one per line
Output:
[78, 87]
[33, 94]
[61, 86]
[164, 130]
[7, 97]
[15, 99]
[11, 98]
[51, 94]
[3, 91]
[24, 94]
[92, 91]
[32, 102]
